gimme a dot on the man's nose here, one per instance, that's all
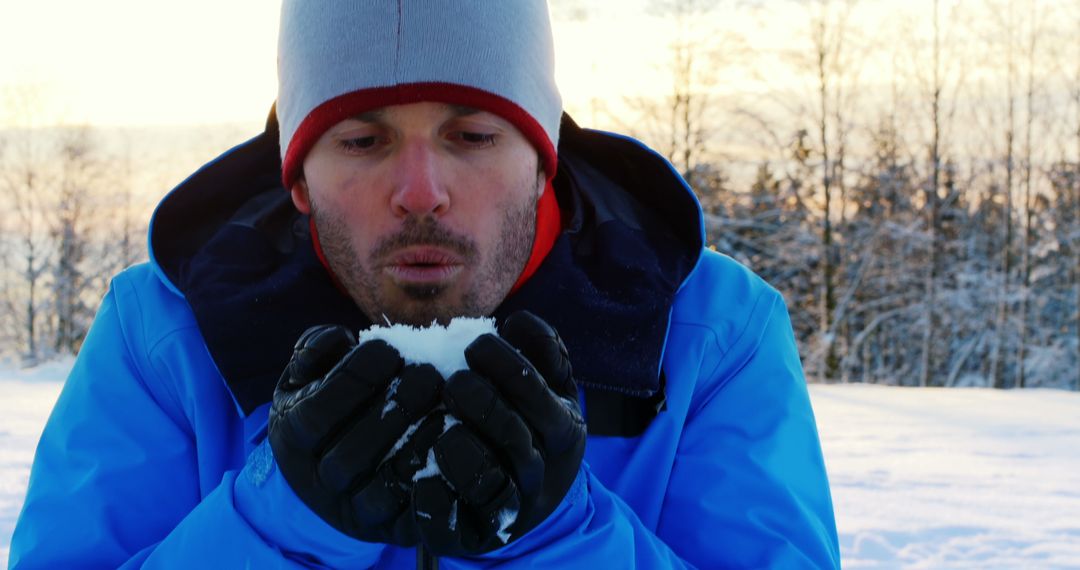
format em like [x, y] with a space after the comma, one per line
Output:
[420, 185]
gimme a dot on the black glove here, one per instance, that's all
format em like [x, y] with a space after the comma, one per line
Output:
[339, 411]
[517, 452]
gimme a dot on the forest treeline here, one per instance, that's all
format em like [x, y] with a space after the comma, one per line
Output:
[911, 185]
[909, 180]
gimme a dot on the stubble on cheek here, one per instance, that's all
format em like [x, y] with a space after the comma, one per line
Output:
[498, 275]
[491, 276]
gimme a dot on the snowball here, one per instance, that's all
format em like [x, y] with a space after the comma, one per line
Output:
[442, 347]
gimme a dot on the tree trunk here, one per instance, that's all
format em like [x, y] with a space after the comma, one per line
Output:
[828, 297]
[930, 304]
[1076, 208]
[1025, 240]
[997, 359]
[1076, 214]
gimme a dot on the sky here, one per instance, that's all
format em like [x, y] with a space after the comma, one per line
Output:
[148, 62]
[139, 62]
[205, 62]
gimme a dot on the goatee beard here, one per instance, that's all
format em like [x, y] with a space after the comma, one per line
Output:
[491, 277]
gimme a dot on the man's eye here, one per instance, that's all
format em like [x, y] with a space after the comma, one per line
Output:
[477, 139]
[358, 143]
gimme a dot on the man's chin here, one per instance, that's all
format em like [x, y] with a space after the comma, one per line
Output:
[419, 304]
[418, 307]
[416, 318]
[424, 293]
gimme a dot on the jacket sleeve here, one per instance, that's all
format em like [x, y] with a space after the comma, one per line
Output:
[748, 487]
[115, 483]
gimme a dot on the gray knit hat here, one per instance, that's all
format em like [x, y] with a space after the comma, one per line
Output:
[339, 58]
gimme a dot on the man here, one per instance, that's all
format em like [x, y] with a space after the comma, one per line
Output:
[642, 407]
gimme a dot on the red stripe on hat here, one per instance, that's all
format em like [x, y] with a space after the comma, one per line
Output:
[332, 112]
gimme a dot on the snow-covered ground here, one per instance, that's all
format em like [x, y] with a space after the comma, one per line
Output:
[26, 398]
[953, 478]
[922, 478]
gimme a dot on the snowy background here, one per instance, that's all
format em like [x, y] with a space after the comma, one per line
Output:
[922, 478]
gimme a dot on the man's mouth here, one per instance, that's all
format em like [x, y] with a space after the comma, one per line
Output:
[423, 265]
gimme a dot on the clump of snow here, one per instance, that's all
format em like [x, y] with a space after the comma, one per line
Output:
[260, 464]
[506, 518]
[429, 470]
[391, 403]
[441, 346]
[409, 431]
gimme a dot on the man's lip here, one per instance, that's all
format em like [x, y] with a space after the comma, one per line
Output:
[418, 265]
[424, 256]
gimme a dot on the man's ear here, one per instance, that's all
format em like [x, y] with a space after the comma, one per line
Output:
[300, 195]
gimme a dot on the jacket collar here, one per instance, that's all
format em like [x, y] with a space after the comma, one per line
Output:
[229, 240]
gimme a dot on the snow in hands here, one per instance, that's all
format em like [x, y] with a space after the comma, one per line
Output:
[440, 346]
[444, 348]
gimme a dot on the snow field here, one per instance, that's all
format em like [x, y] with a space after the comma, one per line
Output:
[953, 478]
[28, 397]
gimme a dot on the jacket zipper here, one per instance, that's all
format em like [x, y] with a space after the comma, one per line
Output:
[424, 560]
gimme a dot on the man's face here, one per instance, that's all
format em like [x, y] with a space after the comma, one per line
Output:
[424, 211]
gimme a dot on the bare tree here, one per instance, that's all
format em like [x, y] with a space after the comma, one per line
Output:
[997, 355]
[682, 124]
[23, 184]
[829, 37]
[125, 245]
[940, 88]
[1066, 174]
[49, 178]
[1075, 234]
[70, 232]
[1028, 193]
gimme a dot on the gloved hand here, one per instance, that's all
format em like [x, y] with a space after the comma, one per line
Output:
[345, 433]
[517, 452]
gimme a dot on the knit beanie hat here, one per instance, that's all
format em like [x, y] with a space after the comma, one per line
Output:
[340, 58]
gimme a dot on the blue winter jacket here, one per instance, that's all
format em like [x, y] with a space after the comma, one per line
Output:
[702, 448]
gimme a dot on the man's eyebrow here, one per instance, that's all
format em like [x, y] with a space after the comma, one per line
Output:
[463, 110]
[372, 116]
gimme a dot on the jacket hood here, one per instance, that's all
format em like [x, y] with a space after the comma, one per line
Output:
[229, 240]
